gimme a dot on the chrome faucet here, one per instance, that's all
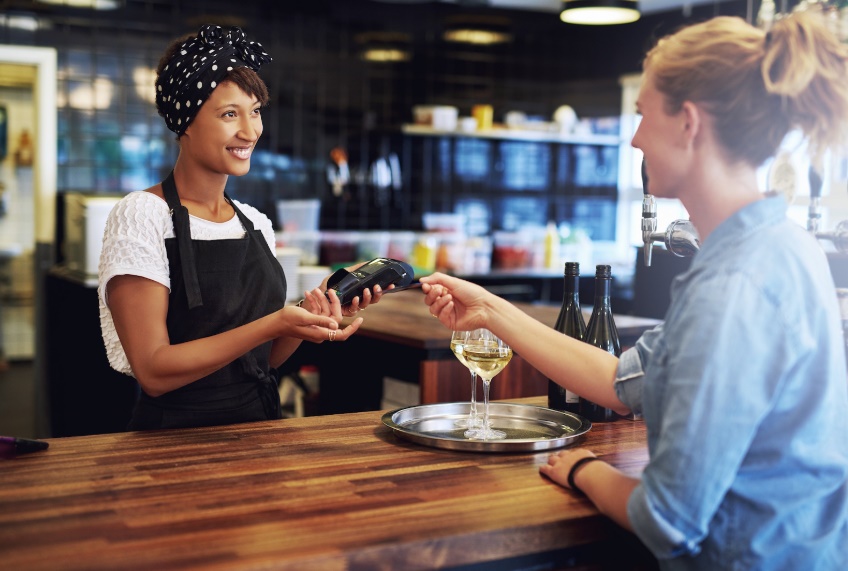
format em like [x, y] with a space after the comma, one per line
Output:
[649, 218]
[680, 238]
[839, 236]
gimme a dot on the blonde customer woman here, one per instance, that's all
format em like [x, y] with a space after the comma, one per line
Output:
[743, 388]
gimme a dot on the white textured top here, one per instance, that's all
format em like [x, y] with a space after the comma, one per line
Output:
[134, 244]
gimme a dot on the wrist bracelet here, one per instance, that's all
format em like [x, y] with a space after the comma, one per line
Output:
[579, 464]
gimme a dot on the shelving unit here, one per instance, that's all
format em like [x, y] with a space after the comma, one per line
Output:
[503, 179]
[505, 133]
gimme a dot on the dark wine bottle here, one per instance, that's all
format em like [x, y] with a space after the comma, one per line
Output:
[569, 322]
[601, 332]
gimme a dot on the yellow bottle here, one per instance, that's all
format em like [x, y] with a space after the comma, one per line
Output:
[551, 246]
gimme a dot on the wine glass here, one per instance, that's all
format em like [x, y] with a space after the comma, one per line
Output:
[486, 354]
[457, 343]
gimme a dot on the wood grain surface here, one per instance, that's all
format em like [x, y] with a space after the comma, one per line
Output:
[332, 492]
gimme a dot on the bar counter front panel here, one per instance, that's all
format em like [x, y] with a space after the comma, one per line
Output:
[331, 492]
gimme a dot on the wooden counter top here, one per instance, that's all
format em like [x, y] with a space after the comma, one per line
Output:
[403, 318]
[332, 492]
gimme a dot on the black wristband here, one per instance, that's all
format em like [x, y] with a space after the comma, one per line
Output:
[573, 471]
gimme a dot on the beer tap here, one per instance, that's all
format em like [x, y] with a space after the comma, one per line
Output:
[680, 238]
[649, 218]
[839, 236]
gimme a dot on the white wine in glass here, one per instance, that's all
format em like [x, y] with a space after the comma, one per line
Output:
[487, 355]
[473, 419]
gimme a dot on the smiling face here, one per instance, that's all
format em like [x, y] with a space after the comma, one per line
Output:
[660, 137]
[224, 132]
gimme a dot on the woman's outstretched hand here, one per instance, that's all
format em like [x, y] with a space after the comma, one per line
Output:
[459, 305]
[560, 464]
[319, 304]
[319, 321]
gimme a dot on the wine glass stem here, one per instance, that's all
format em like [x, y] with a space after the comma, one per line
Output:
[473, 394]
[486, 404]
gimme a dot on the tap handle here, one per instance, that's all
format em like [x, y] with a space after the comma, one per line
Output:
[814, 211]
[649, 205]
[815, 182]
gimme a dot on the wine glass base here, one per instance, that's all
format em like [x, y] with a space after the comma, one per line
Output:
[470, 422]
[485, 434]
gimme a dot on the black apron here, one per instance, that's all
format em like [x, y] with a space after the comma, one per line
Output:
[217, 285]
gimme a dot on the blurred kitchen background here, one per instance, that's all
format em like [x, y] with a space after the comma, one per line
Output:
[388, 133]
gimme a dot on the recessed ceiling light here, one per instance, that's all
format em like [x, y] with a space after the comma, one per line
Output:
[384, 46]
[385, 55]
[479, 37]
[91, 4]
[479, 29]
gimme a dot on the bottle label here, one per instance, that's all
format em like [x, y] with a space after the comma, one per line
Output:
[571, 397]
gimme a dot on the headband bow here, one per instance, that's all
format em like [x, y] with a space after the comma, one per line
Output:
[197, 68]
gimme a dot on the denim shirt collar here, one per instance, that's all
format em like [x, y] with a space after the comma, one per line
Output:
[740, 226]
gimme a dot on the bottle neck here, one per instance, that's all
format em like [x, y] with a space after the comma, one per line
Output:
[602, 291]
[571, 285]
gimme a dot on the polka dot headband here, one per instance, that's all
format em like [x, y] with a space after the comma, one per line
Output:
[197, 67]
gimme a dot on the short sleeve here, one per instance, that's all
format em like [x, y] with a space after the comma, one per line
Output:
[630, 375]
[133, 244]
[134, 241]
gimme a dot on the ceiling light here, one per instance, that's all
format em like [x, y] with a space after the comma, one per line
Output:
[92, 4]
[478, 29]
[599, 12]
[384, 47]
[480, 37]
[385, 55]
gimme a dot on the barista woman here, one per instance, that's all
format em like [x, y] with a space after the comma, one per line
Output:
[191, 294]
[743, 388]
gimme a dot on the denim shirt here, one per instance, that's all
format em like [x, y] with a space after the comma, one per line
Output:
[745, 399]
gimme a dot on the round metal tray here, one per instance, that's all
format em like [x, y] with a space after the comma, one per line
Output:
[528, 428]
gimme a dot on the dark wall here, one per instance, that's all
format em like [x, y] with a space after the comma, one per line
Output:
[323, 94]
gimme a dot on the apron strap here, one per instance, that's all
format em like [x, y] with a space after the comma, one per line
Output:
[182, 229]
[250, 229]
